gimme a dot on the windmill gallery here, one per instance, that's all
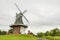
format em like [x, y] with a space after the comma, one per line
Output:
[19, 22]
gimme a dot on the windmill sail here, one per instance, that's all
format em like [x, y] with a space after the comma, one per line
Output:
[18, 7]
[26, 18]
[24, 11]
[19, 16]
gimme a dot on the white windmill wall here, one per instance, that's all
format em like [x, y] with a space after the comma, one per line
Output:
[22, 30]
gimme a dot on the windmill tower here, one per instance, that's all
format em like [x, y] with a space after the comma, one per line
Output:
[19, 22]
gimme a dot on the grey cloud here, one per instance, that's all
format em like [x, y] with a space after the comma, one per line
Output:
[39, 12]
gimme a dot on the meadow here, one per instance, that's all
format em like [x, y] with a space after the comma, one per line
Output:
[18, 37]
[52, 37]
[26, 37]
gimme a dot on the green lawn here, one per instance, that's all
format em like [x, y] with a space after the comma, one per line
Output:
[18, 37]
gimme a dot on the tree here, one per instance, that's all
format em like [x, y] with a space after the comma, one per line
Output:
[47, 33]
[10, 31]
[3, 32]
[0, 32]
[40, 34]
[54, 32]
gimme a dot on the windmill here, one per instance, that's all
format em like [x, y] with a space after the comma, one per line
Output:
[19, 22]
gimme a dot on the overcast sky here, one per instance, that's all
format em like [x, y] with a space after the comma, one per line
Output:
[43, 15]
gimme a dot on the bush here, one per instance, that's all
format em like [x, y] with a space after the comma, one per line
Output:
[40, 34]
[53, 32]
[2, 32]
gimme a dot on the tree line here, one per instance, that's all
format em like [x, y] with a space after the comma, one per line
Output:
[3, 32]
[53, 32]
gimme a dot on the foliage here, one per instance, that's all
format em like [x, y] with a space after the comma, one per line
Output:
[10, 31]
[53, 32]
[40, 34]
[47, 33]
[2, 32]
[33, 34]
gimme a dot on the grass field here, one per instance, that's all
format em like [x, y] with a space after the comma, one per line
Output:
[52, 37]
[26, 37]
[18, 37]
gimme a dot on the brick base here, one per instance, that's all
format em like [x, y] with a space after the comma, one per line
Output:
[16, 30]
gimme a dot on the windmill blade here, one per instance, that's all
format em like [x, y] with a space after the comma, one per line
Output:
[26, 18]
[24, 11]
[18, 8]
